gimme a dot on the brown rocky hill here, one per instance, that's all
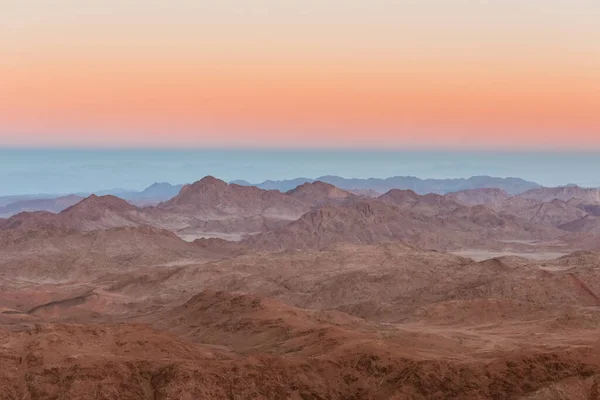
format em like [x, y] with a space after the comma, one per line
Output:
[319, 193]
[491, 197]
[27, 222]
[431, 221]
[556, 212]
[84, 255]
[551, 213]
[482, 217]
[545, 206]
[214, 197]
[102, 212]
[429, 204]
[564, 193]
[253, 324]
[91, 214]
[465, 218]
[338, 276]
[212, 207]
[372, 221]
[361, 222]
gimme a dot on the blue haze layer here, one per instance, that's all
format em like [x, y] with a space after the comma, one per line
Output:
[84, 170]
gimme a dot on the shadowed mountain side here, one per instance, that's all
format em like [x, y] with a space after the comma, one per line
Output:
[592, 209]
[588, 223]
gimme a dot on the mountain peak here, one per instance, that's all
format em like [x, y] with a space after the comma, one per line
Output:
[400, 196]
[209, 179]
[95, 203]
[316, 185]
[319, 193]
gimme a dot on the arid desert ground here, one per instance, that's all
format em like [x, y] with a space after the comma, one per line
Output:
[231, 291]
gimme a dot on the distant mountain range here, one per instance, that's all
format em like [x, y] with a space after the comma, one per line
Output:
[283, 186]
[371, 187]
[55, 205]
[153, 194]
[317, 214]
[421, 186]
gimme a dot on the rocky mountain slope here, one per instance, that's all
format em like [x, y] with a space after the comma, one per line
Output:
[329, 295]
[319, 193]
[385, 321]
[211, 207]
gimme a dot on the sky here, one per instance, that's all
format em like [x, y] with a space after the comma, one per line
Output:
[449, 74]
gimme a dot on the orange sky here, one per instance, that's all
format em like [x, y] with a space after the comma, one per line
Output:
[312, 74]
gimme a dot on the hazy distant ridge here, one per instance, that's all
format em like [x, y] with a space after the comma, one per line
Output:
[422, 186]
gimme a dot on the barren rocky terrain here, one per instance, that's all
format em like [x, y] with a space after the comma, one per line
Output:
[323, 294]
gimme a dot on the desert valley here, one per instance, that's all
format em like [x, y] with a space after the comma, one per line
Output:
[232, 291]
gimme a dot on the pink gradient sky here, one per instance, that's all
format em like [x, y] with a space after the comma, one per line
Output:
[330, 73]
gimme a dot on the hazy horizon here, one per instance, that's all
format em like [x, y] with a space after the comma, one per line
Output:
[52, 171]
[105, 94]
